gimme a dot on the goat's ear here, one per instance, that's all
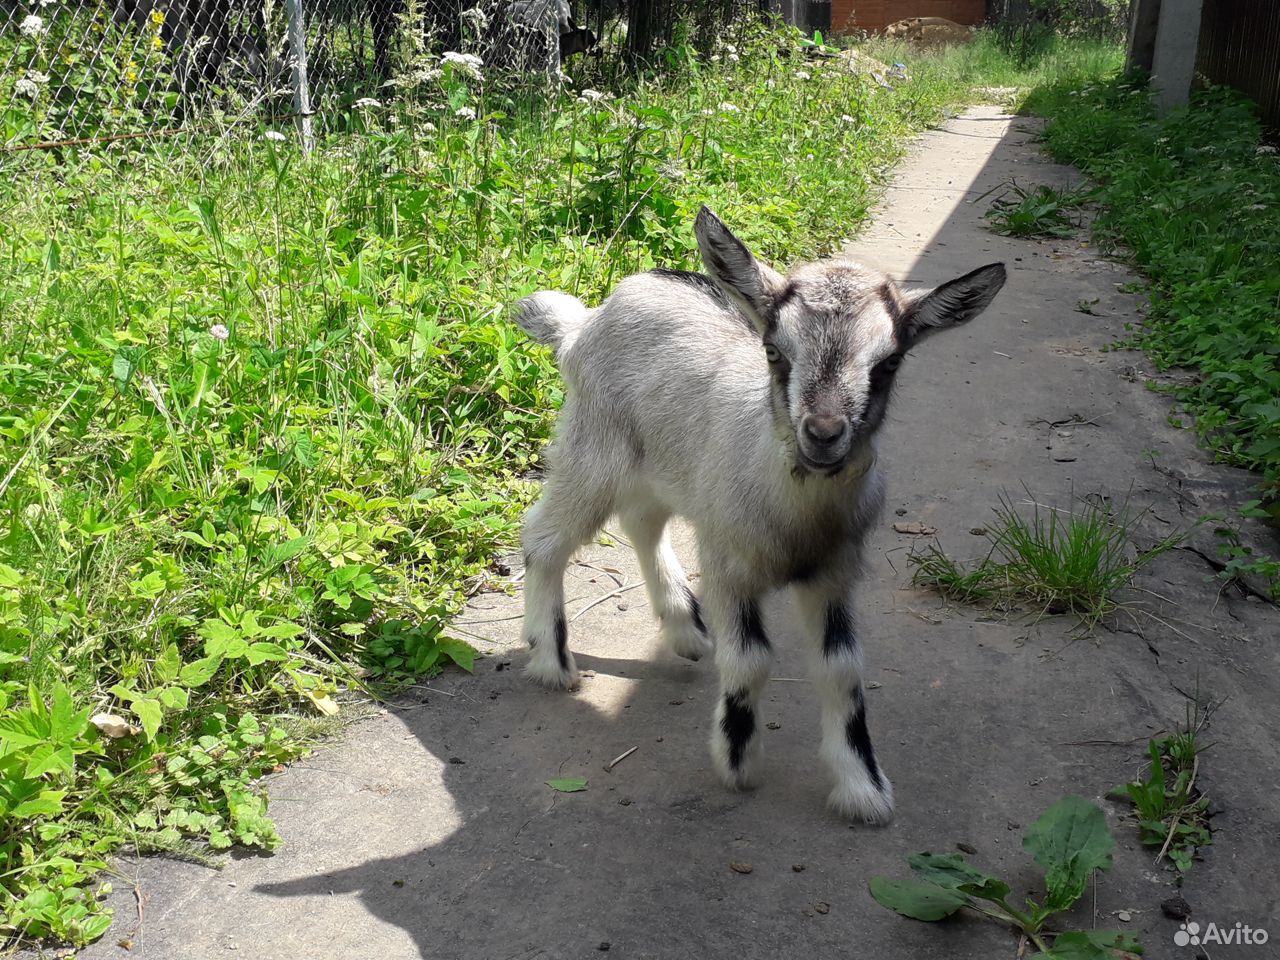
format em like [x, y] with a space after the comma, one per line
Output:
[752, 284]
[955, 302]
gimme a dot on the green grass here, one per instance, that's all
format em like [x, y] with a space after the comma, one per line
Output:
[1194, 201]
[1075, 561]
[264, 425]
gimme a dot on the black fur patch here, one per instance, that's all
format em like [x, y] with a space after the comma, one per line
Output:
[738, 725]
[837, 634]
[750, 626]
[855, 733]
[704, 284]
[562, 642]
[695, 611]
[775, 309]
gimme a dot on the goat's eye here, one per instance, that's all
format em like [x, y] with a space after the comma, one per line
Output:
[772, 353]
[891, 363]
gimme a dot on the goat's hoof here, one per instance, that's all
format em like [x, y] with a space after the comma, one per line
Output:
[687, 641]
[550, 674]
[863, 803]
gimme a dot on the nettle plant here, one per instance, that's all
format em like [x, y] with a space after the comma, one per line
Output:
[1070, 842]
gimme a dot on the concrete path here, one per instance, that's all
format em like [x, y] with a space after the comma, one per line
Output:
[428, 831]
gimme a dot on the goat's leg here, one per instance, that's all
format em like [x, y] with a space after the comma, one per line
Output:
[743, 655]
[677, 609]
[568, 515]
[862, 791]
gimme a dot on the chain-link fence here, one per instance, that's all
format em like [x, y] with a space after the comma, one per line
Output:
[84, 72]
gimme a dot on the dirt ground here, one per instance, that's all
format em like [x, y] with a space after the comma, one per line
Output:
[428, 830]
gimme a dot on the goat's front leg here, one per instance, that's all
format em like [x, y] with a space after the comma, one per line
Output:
[862, 791]
[743, 655]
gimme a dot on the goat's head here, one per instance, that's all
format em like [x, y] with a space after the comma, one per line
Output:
[834, 333]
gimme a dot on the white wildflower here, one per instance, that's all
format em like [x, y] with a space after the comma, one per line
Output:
[465, 113]
[802, 75]
[219, 332]
[275, 135]
[727, 107]
[770, 83]
[808, 156]
[476, 17]
[32, 26]
[591, 96]
[25, 88]
[731, 48]
[847, 119]
[465, 63]
[715, 58]
[428, 127]
[1265, 149]
[734, 58]
[1256, 206]
[38, 78]
[708, 112]
[365, 103]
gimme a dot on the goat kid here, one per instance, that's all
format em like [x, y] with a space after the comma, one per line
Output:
[747, 402]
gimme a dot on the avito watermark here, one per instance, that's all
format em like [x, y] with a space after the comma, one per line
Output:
[1191, 934]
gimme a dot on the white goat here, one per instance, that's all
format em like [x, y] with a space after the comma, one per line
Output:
[748, 403]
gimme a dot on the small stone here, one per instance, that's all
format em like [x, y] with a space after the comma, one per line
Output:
[624, 802]
[968, 848]
[1124, 916]
[502, 569]
[457, 761]
[1175, 908]
[675, 703]
[773, 725]
[738, 866]
[797, 868]
[604, 946]
[901, 512]
[587, 673]
[822, 907]
[623, 606]
[874, 684]
[397, 883]
[978, 531]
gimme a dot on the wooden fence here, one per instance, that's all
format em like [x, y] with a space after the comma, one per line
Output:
[1240, 47]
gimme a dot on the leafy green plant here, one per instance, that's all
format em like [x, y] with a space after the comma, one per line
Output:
[1074, 561]
[1070, 842]
[1041, 212]
[1171, 811]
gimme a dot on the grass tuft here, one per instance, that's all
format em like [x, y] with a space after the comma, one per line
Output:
[1064, 562]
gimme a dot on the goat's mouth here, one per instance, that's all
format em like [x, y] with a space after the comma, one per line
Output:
[827, 466]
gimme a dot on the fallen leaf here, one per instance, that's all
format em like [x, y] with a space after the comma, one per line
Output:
[822, 907]
[322, 702]
[112, 726]
[737, 866]
[915, 529]
[568, 784]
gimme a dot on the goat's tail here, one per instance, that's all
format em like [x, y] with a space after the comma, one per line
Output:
[552, 318]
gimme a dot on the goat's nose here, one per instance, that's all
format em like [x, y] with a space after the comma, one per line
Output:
[825, 429]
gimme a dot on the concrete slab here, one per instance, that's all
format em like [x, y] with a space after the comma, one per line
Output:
[429, 831]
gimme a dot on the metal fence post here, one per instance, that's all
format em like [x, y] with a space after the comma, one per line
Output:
[301, 94]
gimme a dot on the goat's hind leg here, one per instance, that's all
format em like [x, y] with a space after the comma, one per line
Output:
[568, 515]
[677, 609]
[862, 791]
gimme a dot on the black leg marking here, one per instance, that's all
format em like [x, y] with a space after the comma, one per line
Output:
[562, 642]
[695, 611]
[750, 627]
[837, 634]
[739, 725]
[855, 732]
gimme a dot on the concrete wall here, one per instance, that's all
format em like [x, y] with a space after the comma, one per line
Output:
[848, 16]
